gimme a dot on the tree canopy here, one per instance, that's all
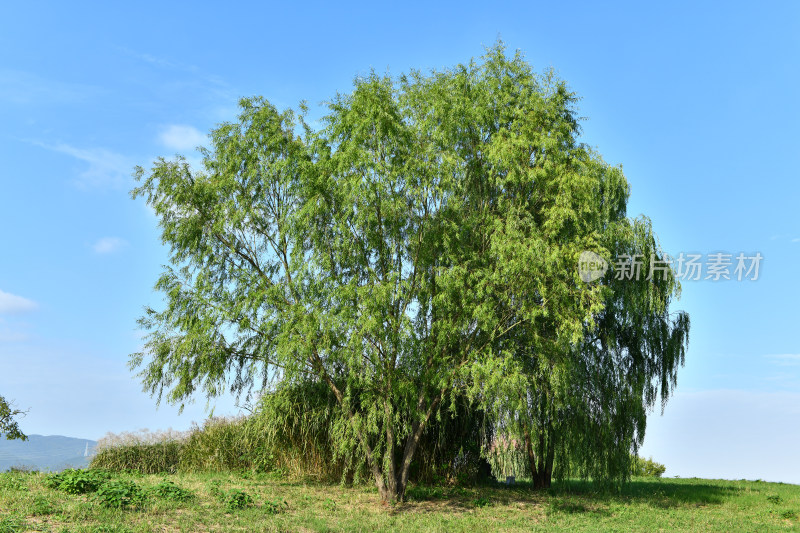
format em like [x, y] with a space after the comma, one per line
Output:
[419, 246]
[9, 426]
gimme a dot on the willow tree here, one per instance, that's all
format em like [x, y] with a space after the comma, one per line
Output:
[580, 408]
[388, 255]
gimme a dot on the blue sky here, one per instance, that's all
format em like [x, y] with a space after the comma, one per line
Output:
[697, 103]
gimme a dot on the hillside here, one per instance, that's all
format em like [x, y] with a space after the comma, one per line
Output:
[40, 452]
[265, 502]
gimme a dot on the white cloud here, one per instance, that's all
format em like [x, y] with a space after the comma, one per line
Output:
[108, 245]
[11, 303]
[179, 137]
[105, 168]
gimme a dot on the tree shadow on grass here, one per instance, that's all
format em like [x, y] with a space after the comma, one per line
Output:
[663, 493]
[573, 497]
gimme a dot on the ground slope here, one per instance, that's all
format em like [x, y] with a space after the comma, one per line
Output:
[285, 505]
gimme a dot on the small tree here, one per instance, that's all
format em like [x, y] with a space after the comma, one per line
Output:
[8, 425]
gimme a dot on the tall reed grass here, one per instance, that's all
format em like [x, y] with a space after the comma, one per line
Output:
[294, 430]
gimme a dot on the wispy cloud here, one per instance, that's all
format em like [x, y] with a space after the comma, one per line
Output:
[22, 88]
[109, 245]
[104, 168]
[785, 359]
[784, 238]
[12, 304]
[214, 98]
[14, 332]
[159, 61]
[180, 137]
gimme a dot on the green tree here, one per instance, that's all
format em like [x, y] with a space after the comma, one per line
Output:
[626, 364]
[393, 255]
[581, 408]
[8, 425]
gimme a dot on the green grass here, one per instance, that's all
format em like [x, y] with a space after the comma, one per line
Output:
[28, 504]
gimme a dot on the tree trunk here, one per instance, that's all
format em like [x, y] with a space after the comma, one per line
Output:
[394, 489]
[548, 471]
[541, 474]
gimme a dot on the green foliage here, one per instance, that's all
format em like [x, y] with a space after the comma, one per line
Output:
[105, 528]
[420, 247]
[579, 408]
[41, 506]
[273, 507]
[52, 481]
[236, 499]
[481, 502]
[329, 504]
[507, 457]
[644, 504]
[119, 494]
[74, 481]
[9, 426]
[646, 467]
[12, 524]
[13, 481]
[214, 488]
[233, 499]
[290, 433]
[220, 445]
[142, 457]
[423, 493]
[167, 490]
[774, 498]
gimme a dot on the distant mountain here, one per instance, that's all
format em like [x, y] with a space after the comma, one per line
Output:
[40, 452]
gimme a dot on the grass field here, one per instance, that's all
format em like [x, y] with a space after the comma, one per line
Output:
[27, 503]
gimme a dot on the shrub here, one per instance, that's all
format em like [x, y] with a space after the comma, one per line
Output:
[167, 490]
[13, 482]
[277, 506]
[118, 494]
[41, 506]
[481, 502]
[236, 499]
[646, 467]
[52, 481]
[78, 481]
